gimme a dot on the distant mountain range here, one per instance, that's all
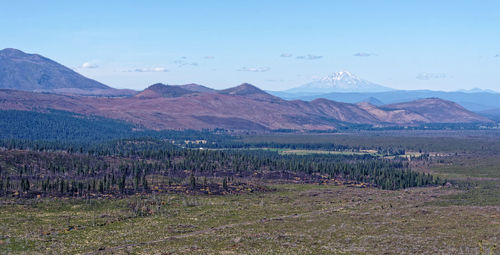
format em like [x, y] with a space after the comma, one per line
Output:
[243, 107]
[477, 102]
[193, 106]
[345, 87]
[477, 90]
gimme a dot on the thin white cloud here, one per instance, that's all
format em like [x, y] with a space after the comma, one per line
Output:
[149, 70]
[431, 76]
[254, 69]
[88, 65]
[182, 62]
[209, 57]
[363, 54]
[309, 57]
[286, 55]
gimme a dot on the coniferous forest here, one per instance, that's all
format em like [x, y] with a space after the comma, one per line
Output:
[42, 157]
[134, 169]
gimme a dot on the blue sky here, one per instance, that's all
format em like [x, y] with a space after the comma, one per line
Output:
[445, 45]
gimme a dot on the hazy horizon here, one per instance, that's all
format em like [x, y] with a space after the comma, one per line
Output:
[446, 45]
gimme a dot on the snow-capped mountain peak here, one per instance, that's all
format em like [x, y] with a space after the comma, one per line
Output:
[338, 76]
[339, 82]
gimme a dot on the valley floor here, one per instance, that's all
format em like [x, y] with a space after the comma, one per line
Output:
[295, 219]
[461, 217]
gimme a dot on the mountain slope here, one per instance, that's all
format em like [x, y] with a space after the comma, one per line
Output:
[32, 72]
[438, 111]
[372, 101]
[240, 108]
[493, 114]
[249, 91]
[198, 88]
[162, 90]
[339, 82]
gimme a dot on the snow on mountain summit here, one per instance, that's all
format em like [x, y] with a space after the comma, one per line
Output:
[339, 82]
[338, 76]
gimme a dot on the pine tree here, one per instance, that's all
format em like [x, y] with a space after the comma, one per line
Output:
[224, 183]
[101, 187]
[145, 183]
[192, 181]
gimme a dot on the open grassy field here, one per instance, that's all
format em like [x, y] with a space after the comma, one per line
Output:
[477, 176]
[442, 141]
[309, 152]
[295, 219]
[479, 166]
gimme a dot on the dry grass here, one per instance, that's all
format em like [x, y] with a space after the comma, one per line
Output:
[296, 219]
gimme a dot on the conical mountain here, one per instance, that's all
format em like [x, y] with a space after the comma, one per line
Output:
[339, 82]
[32, 72]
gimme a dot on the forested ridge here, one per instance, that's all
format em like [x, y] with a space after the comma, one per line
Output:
[56, 129]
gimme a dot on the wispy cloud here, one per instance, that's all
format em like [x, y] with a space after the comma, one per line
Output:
[254, 69]
[286, 55]
[363, 54]
[209, 57]
[88, 65]
[431, 76]
[182, 62]
[497, 56]
[149, 70]
[309, 57]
